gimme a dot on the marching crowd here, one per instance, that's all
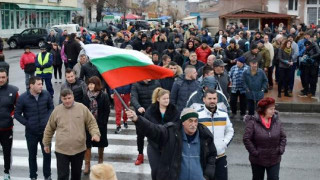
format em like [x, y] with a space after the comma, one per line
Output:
[186, 118]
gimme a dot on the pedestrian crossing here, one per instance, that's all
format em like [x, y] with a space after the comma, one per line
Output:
[121, 153]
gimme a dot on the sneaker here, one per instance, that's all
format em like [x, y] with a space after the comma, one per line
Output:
[125, 125]
[118, 130]
[48, 178]
[302, 95]
[6, 176]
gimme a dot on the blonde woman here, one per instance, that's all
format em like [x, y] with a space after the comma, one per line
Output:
[161, 111]
[103, 172]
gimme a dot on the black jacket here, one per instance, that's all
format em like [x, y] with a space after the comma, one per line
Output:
[141, 93]
[72, 50]
[231, 54]
[169, 138]
[36, 113]
[8, 98]
[88, 70]
[79, 89]
[314, 53]
[167, 83]
[57, 61]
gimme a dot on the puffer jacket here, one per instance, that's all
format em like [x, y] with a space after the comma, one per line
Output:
[169, 138]
[8, 98]
[232, 54]
[36, 113]
[202, 54]
[255, 84]
[79, 89]
[141, 93]
[265, 146]
[181, 91]
[314, 53]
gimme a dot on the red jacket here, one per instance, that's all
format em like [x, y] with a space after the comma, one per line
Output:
[27, 58]
[202, 54]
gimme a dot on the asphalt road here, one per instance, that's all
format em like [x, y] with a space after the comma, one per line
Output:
[301, 159]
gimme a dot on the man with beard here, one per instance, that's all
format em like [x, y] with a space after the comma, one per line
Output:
[218, 122]
[254, 55]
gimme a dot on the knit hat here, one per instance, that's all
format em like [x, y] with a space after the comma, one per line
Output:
[171, 46]
[155, 52]
[188, 113]
[241, 59]
[209, 82]
[265, 102]
[102, 171]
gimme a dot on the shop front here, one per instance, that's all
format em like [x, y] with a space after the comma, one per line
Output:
[14, 17]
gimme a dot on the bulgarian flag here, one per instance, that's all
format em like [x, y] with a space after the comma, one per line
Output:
[120, 67]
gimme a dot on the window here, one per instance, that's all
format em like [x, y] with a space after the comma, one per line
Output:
[251, 24]
[312, 15]
[293, 5]
[26, 32]
[312, 1]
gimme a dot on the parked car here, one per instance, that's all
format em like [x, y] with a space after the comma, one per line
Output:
[31, 36]
[142, 25]
[71, 28]
[102, 26]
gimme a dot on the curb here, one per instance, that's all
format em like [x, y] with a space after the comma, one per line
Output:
[298, 107]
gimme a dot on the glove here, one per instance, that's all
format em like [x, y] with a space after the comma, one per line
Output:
[41, 68]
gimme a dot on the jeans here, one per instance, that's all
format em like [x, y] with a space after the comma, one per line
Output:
[292, 76]
[309, 78]
[234, 100]
[6, 138]
[272, 172]
[221, 172]
[48, 83]
[32, 144]
[28, 76]
[63, 165]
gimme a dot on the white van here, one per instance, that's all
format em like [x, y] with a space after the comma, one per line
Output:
[71, 28]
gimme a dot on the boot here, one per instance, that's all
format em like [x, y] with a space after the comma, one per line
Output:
[139, 159]
[87, 158]
[100, 153]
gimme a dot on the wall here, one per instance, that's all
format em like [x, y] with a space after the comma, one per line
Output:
[68, 3]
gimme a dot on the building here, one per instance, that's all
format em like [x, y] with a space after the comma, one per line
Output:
[17, 15]
[254, 14]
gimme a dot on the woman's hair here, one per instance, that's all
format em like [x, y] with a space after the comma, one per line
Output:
[157, 93]
[284, 44]
[264, 104]
[102, 172]
[97, 83]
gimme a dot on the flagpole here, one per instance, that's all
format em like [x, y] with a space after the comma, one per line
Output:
[122, 102]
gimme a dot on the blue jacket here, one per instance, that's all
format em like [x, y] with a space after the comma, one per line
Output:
[301, 46]
[255, 85]
[208, 38]
[181, 91]
[34, 114]
[123, 89]
[191, 162]
[49, 64]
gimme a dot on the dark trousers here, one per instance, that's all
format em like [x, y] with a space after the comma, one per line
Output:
[284, 77]
[221, 172]
[234, 100]
[71, 64]
[277, 73]
[140, 137]
[57, 69]
[48, 83]
[309, 78]
[270, 73]
[32, 144]
[292, 76]
[63, 166]
[6, 138]
[272, 172]
[154, 157]
[252, 104]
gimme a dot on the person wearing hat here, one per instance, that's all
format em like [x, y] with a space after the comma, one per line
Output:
[178, 44]
[155, 57]
[254, 55]
[209, 82]
[170, 51]
[219, 124]
[203, 51]
[265, 140]
[44, 68]
[218, 51]
[255, 83]
[265, 54]
[221, 76]
[27, 63]
[205, 36]
[187, 34]
[232, 52]
[179, 142]
[310, 69]
[237, 87]
[141, 44]
[257, 37]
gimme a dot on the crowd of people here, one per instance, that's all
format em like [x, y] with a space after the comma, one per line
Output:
[187, 118]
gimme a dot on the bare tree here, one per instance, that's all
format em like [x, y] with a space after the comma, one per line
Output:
[100, 4]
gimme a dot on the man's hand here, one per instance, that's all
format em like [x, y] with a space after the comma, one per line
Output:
[47, 149]
[95, 138]
[41, 68]
[132, 115]
[112, 96]
[141, 110]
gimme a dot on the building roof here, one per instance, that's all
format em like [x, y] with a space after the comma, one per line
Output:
[247, 13]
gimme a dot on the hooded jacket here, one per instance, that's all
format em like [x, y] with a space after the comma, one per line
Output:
[141, 93]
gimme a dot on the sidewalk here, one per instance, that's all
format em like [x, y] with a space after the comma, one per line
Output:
[295, 103]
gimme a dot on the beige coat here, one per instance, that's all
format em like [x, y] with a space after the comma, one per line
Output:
[70, 126]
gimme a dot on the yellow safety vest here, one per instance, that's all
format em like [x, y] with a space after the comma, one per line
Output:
[43, 62]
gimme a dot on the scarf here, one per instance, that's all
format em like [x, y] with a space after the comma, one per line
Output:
[93, 103]
[287, 50]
